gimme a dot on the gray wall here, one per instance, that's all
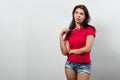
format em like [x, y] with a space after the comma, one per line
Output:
[29, 38]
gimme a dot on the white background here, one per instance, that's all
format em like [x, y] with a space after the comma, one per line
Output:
[29, 38]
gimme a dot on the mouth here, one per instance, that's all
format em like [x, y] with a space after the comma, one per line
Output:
[78, 19]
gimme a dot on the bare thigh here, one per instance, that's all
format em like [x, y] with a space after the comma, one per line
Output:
[83, 76]
[70, 74]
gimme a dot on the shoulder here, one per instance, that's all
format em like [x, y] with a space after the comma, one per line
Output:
[90, 27]
[90, 30]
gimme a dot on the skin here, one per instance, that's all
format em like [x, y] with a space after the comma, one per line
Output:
[79, 17]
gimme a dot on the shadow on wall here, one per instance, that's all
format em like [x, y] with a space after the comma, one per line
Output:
[105, 62]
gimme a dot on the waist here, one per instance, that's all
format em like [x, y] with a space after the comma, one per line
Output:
[84, 59]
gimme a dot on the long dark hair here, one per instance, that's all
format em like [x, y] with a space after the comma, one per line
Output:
[84, 23]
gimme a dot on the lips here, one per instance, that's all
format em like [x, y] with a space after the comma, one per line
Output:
[78, 19]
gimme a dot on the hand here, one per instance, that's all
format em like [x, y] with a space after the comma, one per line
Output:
[71, 51]
[64, 31]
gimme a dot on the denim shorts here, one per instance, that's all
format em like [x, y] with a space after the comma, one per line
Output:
[79, 68]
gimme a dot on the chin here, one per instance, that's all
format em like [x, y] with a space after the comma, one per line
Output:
[78, 22]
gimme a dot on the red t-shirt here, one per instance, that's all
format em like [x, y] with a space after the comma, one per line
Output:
[77, 40]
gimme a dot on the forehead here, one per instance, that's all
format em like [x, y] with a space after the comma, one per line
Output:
[79, 10]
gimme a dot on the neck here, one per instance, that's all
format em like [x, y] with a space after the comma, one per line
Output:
[78, 25]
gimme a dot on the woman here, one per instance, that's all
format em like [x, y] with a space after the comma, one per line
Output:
[77, 44]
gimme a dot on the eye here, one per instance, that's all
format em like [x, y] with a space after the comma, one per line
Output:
[76, 12]
[81, 13]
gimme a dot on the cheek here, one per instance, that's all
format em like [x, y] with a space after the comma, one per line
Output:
[83, 18]
[74, 16]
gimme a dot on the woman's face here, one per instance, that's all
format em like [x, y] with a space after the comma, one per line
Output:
[79, 15]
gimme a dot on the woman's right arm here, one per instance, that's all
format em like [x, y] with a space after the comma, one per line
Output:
[64, 44]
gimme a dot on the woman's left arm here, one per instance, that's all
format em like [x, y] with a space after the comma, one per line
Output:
[87, 48]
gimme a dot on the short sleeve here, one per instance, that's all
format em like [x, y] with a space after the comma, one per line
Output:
[91, 31]
[66, 37]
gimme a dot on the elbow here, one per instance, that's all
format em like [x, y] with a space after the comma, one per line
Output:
[65, 53]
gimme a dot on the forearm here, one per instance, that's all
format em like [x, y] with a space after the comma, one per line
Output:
[63, 46]
[79, 51]
[85, 49]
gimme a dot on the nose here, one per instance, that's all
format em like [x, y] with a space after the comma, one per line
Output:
[78, 15]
